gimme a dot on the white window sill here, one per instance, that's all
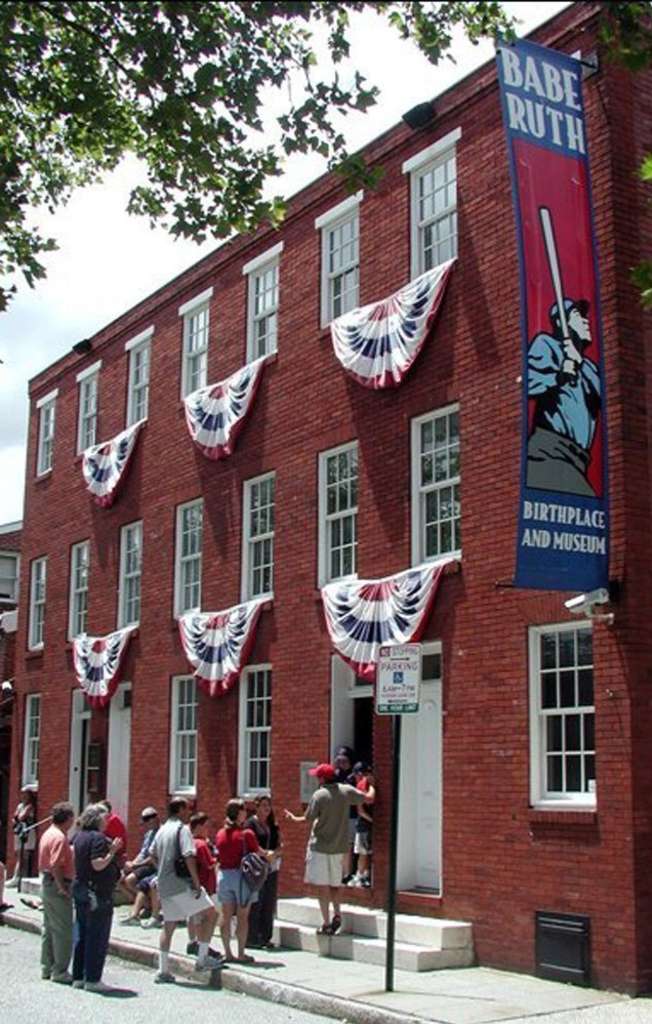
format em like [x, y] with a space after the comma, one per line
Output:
[44, 474]
[186, 794]
[565, 806]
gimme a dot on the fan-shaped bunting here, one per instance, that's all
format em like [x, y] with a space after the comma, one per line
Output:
[216, 414]
[363, 614]
[377, 344]
[217, 644]
[97, 661]
[104, 465]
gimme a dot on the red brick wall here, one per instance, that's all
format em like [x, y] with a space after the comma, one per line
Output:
[501, 860]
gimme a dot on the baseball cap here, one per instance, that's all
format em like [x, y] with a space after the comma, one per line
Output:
[148, 812]
[325, 772]
[569, 304]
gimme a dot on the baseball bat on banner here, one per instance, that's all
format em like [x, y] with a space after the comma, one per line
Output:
[553, 264]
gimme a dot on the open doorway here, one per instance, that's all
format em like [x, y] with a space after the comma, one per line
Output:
[419, 863]
[80, 731]
[352, 711]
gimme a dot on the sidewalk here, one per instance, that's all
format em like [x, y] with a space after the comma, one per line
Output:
[354, 992]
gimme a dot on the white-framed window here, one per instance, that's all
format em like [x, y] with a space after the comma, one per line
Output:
[433, 203]
[262, 302]
[338, 512]
[255, 730]
[196, 322]
[9, 575]
[79, 567]
[139, 349]
[38, 579]
[131, 562]
[183, 735]
[340, 258]
[562, 717]
[32, 739]
[45, 455]
[188, 548]
[89, 383]
[436, 507]
[258, 547]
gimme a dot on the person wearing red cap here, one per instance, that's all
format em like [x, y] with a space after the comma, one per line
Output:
[328, 811]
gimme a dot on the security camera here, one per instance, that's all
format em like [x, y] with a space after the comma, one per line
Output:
[583, 603]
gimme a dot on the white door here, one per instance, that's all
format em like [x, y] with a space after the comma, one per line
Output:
[80, 727]
[420, 811]
[117, 775]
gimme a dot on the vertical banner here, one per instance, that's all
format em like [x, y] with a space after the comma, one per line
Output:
[563, 523]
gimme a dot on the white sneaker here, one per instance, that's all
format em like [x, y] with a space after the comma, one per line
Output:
[208, 963]
[353, 882]
[97, 986]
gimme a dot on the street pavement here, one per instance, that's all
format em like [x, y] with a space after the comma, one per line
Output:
[298, 986]
[25, 998]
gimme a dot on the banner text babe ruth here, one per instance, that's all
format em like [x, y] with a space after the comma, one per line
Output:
[563, 530]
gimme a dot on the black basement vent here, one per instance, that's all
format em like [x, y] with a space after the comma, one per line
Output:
[563, 947]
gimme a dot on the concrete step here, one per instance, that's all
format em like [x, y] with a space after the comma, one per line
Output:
[407, 956]
[369, 923]
[29, 887]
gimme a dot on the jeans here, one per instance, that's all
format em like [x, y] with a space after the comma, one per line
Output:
[91, 936]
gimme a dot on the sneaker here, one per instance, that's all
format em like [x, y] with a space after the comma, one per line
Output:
[130, 922]
[164, 978]
[62, 979]
[192, 949]
[97, 986]
[78, 983]
[353, 882]
[153, 922]
[209, 963]
[347, 879]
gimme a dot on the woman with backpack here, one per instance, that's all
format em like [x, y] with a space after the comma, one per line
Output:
[235, 844]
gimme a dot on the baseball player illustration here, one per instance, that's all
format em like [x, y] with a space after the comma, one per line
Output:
[565, 387]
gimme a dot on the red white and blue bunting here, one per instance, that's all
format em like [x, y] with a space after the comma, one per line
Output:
[104, 465]
[216, 414]
[218, 644]
[363, 614]
[97, 661]
[377, 344]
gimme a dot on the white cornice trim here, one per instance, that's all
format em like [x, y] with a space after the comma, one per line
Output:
[89, 371]
[335, 212]
[263, 258]
[139, 339]
[199, 300]
[50, 397]
[424, 156]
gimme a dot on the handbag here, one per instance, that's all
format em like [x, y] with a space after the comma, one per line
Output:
[181, 868]
[254, 868]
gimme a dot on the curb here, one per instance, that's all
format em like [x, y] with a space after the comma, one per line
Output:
[241, 981]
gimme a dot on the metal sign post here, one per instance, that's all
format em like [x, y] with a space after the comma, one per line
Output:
[397, 694]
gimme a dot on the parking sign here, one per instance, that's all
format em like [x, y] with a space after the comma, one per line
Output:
[398, 679]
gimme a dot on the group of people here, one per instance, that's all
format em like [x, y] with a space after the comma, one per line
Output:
[183, 875]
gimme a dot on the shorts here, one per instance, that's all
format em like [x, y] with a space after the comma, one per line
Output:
[183, 905]
[323, 868]
[144, 871]
[363, 843]
[353, 824]
[232, 888]
[145, 884]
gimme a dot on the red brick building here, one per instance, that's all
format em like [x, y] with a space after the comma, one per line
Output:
[9, 578]
[483, 836]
